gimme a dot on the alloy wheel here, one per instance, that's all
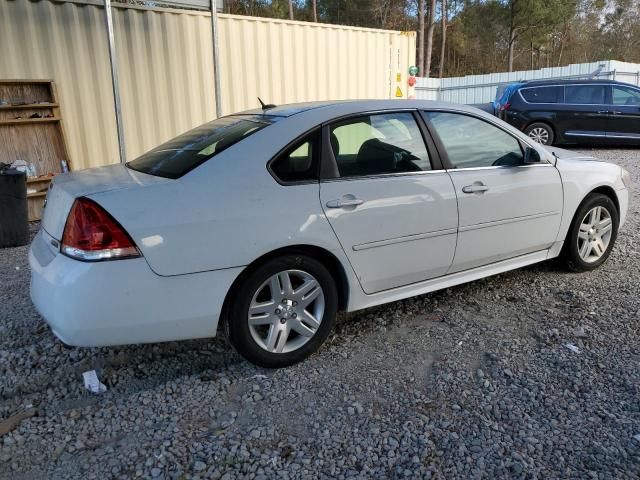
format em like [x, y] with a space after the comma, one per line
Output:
[539, 135]
[286, 311]
[594, 234]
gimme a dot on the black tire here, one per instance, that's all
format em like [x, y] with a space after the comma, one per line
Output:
[238, 330]
[570, 254]
[543, 126]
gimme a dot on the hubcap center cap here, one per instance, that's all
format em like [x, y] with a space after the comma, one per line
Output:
[287, 310]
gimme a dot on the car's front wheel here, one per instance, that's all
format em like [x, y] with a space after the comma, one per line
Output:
[592, 234]
[541, 133]
[283, 311]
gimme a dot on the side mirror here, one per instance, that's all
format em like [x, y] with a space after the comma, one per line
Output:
[531, 155]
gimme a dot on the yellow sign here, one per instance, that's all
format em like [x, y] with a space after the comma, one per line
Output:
[398, 92]
[398, 77]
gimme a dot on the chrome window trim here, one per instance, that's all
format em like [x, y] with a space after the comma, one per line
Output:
[577, 85]
[493, 167]
[384, 175]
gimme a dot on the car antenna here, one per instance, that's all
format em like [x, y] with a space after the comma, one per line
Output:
[265, 106]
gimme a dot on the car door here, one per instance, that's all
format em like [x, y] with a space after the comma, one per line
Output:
[394, 214]
[624, 124]
[506, 208]
[584, 114]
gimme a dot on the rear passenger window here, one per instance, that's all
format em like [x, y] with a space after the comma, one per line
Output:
[299, 163]
[541, 94]
[379, 144]
[584, 94]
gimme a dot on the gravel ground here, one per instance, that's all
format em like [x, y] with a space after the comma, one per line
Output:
[470, 382]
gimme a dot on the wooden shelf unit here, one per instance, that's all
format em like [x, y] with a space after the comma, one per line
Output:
[36, 194]
[38, 179]
[40, 141]
[28, 105]
[12, 121]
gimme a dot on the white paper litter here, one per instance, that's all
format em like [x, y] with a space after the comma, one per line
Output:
[92, 383]
[572, 347]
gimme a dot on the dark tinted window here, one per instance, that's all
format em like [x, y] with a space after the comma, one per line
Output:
[185, 152]
[471, 142]
[299, 163]
[584, 94]
[379, 144]
[625, 96]
[541, 94]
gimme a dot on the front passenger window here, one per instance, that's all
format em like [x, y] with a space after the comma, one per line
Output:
[472, 143]
[625, 96]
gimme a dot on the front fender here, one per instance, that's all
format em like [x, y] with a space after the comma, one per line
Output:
[581, 176]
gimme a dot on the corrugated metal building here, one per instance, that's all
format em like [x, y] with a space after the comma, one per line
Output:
[166, 70]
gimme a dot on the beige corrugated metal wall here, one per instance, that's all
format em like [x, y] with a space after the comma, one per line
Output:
[166, 72]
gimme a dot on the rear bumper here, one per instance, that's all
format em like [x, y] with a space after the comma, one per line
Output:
[122, 301]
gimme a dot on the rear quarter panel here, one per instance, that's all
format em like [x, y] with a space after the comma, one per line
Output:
[226, 213]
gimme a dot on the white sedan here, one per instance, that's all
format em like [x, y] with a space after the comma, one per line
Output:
[268, 222]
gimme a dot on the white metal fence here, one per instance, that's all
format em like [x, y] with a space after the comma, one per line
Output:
[482, 88]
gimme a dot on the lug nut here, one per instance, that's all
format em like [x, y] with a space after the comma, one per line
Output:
[283, 320]
[294, 315]
[295, 304]
[277, 311]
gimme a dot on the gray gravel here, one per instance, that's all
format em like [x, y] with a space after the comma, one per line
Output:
[471, 382]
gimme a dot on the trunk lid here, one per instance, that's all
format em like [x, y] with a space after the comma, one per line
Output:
[66, 188]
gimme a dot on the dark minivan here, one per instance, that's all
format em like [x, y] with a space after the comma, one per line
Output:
[575, 111]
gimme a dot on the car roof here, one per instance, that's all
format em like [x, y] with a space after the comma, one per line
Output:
[351, 106]
[568, 81]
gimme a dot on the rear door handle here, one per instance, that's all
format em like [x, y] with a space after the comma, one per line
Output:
[605, 111]
[344, 202]
[475, 188]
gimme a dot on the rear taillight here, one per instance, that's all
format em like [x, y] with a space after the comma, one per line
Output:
[91, 234]
[505, 107]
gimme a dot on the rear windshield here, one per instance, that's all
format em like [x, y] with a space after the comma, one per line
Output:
[185, 152]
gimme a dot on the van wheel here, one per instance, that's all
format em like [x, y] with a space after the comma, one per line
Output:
[283, 311]
[541, 133]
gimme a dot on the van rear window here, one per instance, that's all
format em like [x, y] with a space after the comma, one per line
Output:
[179, 156]
[541, 94]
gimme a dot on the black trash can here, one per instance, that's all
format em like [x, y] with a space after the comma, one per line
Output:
[14, 219]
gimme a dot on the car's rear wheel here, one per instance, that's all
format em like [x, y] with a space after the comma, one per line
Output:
[592, 234]
[283, 311]
[541, 133]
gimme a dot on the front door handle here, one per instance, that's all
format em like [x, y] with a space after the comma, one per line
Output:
[344, 202]
[605, 111]
[475, 188]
